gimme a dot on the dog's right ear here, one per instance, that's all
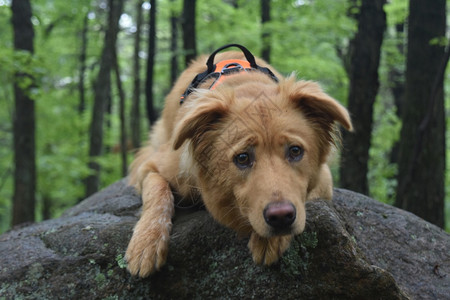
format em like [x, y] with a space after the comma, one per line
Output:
[318, 106]
[201, 116]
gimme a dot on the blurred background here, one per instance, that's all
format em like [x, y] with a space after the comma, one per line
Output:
[82, 81]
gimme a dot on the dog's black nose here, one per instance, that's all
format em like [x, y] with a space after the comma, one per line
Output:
[279, 215]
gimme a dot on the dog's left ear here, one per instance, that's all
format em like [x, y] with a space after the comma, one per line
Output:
[201, 117]
[318, 107]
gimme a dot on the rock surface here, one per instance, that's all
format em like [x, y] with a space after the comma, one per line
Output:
[353, 248]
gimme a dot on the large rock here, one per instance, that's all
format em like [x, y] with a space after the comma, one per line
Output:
[353, 248]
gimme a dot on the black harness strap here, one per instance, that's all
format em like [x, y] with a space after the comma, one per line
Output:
[230, 68]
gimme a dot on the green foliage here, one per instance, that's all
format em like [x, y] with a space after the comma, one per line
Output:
[439, 41]
[396, 12]
[219, 23]
[311, 48]
[6, 111]
[121, 261]
[382, 173]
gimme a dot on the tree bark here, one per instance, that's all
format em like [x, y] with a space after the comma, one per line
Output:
[265, 36]
[421, 188]
[123, 131]
[83, 50]
[46, 206]
[188, 24]
[173, 47]
[102, 89]
[365, 51]
[135, 114]
[151, 114]
[24, 119]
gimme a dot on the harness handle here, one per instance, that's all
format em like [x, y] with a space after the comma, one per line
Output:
[248, 55]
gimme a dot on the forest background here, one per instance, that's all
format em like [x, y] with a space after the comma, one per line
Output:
[121, 62]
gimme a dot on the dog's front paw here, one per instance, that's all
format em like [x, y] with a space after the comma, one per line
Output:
[148, 248]
[268, 250]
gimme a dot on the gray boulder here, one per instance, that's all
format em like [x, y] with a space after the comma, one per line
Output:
[353, 248]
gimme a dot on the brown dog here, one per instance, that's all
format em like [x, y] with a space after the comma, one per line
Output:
[254, 149]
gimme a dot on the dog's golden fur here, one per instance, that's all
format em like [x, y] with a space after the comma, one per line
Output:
[193, 149]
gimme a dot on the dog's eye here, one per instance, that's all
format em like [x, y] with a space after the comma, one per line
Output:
[295, 153]
[243, 160]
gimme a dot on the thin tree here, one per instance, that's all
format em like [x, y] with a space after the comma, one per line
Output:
[265, 36]
[397, 84]
[123, 131]
[365, 51]
[188, 25]
[102, 89]
[24, 119]
[173, 45]
[421, 172]
[151, 113]
[82, 60]
[135, 113]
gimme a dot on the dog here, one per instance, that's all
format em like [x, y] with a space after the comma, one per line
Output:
[252, 145]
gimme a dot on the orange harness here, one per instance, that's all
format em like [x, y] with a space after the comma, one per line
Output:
[224, 68]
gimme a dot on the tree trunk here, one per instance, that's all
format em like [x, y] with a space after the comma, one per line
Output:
[135, 114]
[123, 132]
[422, 144]
[84, 41]
[151, 114]
[46, 206]
[23, 120]
[265, 36]
[173, 47]
[188, 24]
[365, 51]
[102, 89]
[397, 85]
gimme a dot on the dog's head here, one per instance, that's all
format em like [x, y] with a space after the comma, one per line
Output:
[258, 148]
